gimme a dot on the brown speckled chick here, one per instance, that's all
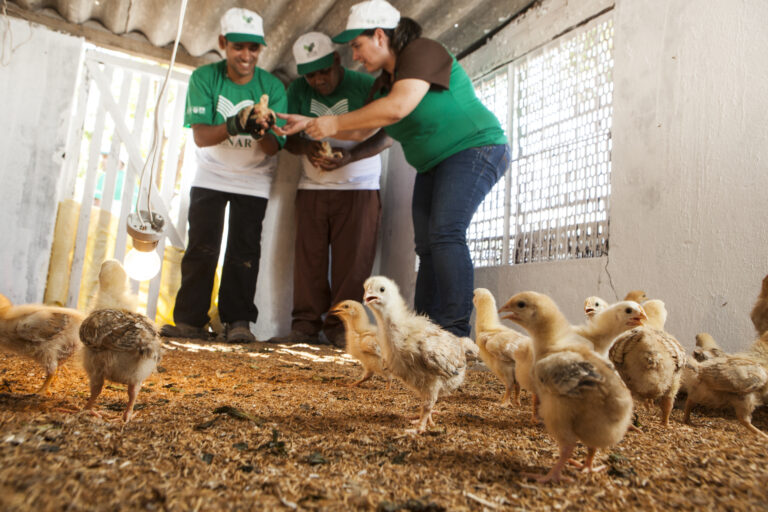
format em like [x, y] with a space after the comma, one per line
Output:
[650, 360]
[47, 334]
[759, 314]
[582, 398]
[120, 346]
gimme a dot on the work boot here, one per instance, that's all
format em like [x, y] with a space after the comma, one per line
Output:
[240, 332]
[296, 337]
[182, 330]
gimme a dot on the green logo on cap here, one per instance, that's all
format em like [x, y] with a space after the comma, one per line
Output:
[309, 47]
[248, 19]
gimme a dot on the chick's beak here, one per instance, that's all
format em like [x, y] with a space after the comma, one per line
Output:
[638, 319]
[506, 308]
[369, 298]
[589, 311]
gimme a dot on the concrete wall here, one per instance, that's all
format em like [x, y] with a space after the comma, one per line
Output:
[690, 158]
[37, 85]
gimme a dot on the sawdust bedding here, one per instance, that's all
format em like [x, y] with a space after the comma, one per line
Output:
[265, 427]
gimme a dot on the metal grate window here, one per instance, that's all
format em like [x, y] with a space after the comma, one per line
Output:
[553, 204]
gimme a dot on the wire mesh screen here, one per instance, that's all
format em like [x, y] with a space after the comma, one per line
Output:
[485, 235]
[558, 197]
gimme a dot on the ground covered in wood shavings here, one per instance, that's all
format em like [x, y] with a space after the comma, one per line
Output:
[265, 427]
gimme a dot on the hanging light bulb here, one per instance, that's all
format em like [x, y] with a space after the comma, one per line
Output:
[142, 261]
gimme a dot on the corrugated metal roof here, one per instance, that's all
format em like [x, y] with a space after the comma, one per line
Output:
[148, 27]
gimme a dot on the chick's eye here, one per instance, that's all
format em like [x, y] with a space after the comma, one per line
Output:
[381, 289]
[628, 311]
[521, 304]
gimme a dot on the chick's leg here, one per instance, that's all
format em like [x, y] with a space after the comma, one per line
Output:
[97, 384]
[49, 379]
[133, 392]
[517, 393]
[506, 400]
[535, 409]
[587, 466]
[366, 375]
[687, 413]
[555, 474]
[666, 404]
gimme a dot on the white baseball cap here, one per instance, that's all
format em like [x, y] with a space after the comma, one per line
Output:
[241, 26]
[313, 51]
[368, 15]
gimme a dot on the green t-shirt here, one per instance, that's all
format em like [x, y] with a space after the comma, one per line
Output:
[450, 118]
[237, 164]
[212, 97]
[349, 95]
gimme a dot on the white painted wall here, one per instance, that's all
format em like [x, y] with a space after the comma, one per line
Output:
[37, 85]
[690, 162]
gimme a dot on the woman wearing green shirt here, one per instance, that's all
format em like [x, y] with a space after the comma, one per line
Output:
[424, 100]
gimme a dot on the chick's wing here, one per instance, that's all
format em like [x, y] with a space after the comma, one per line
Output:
[733, 375]
[119, 331]
[568, 374]
[441, 352]
[41, 326]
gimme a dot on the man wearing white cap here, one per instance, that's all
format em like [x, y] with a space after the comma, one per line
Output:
[337, 202]
[424, 99]
[236, 158]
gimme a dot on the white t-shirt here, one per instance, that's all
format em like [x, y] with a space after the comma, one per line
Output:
[248, 170]
[363, 174]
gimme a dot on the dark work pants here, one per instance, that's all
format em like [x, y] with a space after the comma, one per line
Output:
[444, 200]
[241, 259]
[348, 222]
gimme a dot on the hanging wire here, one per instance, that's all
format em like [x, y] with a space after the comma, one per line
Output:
[156, 147]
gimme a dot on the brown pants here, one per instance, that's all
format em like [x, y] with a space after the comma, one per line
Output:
[347, 221]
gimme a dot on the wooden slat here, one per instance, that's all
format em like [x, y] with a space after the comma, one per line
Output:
[130, 174]
[75, 138]
[113, 160]
[78, 258]
[135, 153]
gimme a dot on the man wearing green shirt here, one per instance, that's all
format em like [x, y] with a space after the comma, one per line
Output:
[337, 202]
[236, 158]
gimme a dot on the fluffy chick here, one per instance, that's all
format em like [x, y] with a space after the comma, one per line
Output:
[706, 348]
[427, 359]
[47, 334]
[604, 326]
[120, 346]
[728, 381]
[650, 360]
[496, 344]
[638, 296]
[523, 355]
[582, 398]
[759, 314]
[594, 305]
[361, 340]
[113, 291]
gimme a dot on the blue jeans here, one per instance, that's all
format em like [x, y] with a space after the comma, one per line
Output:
[444, 200]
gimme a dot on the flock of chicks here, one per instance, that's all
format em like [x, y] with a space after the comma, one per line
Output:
[582, 378]
[116, 343]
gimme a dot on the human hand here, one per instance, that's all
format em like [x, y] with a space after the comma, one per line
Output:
[294, 124]
[322, 127]
[249, 120]
[340, 158]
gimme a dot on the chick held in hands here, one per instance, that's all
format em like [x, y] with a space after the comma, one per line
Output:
[582, 397]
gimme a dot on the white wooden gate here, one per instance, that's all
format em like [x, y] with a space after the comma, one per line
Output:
[113, 126]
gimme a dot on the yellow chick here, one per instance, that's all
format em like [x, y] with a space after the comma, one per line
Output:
[604, 326]
[523, 355]
[46, 334]
[497, 344]
[427, 359]
[594, 305]
[638, 296]
[706, 348]
[728, 381]
[581, 397]
[759, 314]
[361, 340]
[650, 360]
[114, 290]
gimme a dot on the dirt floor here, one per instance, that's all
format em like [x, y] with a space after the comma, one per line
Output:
[273, 427]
